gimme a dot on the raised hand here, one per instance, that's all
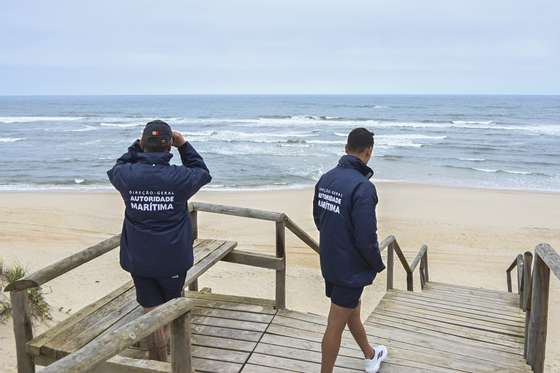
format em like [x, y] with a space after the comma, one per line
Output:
[178, 139]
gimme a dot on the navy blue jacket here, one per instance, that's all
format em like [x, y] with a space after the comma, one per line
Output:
[156, 236]
[344, 213]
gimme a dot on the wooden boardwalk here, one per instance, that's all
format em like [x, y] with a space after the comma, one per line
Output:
[445, 328]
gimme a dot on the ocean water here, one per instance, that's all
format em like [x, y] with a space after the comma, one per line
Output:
[55, 142]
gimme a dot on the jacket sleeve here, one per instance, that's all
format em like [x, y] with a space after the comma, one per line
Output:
[128, 157]
[365, 225]
[194, 172]
[316, 207]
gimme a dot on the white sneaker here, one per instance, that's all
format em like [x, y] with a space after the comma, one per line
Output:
[372, 365]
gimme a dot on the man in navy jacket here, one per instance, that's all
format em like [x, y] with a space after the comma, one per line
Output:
[156, 241]
[344, 213]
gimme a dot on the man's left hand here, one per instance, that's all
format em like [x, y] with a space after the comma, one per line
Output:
[178, 139]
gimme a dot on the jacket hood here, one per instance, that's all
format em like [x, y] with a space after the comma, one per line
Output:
[351, 161]
[154, 158]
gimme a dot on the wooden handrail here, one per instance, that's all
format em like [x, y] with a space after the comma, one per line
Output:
[108, 345]
[238, 211]
[56, 269]
[533, 290]
[421, 258]
[243, 212]
[301, 234]
[550, 257]
[418, 257]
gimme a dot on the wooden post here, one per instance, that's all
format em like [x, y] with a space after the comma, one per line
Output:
[508, 275]
[423, 269]
[409, 281]
[421, 272]
[181, 344]
[426, 272]
[23, 330]
[536, 344]
[193, 286]
[281, 272]
[390, 265]
[520, 279]
[528, 284]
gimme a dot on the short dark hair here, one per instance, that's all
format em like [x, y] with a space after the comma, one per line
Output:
[359, 140]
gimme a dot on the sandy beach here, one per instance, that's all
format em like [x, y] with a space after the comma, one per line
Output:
[472, 235]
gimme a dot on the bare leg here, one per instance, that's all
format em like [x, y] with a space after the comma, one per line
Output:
[157, 342]
[358, 332]
[338, 317]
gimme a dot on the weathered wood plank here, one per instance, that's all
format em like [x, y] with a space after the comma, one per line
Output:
[35, 345]
[451, 328]
[23, 330]
[401, 352]
[234, 306]
[452, 337]
[281, 272]
[489, 305]
[250, 368]
[239, 211]
[227, 323]
[215, 366]
[254, 259]
[233, 334]
[91, 326]
[469, 299]
[204, 264]
[505, 297]
[537, 328]
[510, 313]
[103, 348]
[233, 315]
[223, 343]
[290, 364]
[412, 302]
[418, 257]
[550, 257]
[449, 317]
[122, 364]
[265, 303]
[181, 349]
[483, 291]
[426, 345]
[302, 235]
[230, 356]
[390, 266]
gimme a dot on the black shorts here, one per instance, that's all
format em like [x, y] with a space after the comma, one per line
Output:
[155, 291]
[343, 296]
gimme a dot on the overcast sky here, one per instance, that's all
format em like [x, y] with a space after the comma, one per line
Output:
[279, 46]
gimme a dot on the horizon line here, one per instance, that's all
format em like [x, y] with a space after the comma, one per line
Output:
[275, 94]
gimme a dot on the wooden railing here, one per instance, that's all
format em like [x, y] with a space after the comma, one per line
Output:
[390, 243]
[19, 298]
[282, 222]
[533, 288]
[176, 312]
[277, 262]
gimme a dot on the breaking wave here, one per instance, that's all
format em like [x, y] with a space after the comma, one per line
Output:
[11, 139]
[32, 119]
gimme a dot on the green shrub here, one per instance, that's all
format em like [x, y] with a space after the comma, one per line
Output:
[38, 306]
